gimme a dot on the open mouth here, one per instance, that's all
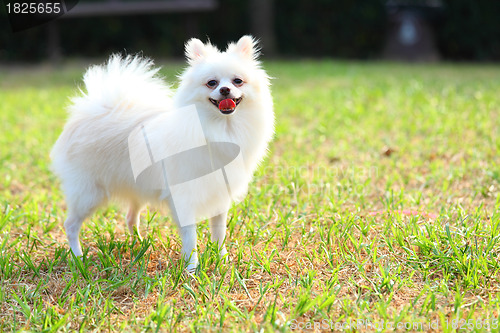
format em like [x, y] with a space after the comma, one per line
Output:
[226, 106]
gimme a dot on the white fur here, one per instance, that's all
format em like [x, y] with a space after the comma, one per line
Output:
[91, 156]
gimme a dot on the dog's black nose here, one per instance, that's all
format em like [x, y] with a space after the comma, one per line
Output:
[224, 91]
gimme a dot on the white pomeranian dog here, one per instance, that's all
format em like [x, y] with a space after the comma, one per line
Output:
[231, 98]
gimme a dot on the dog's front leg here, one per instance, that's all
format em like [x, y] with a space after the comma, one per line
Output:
[186, 222]
[218, 232]
[188, 236]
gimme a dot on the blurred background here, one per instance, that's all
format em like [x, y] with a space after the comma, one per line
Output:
[430, 30]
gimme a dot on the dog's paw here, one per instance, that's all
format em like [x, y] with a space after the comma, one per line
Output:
[191, 265]
[223, 254]
[191, 269]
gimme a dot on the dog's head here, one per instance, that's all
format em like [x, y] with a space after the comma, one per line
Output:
[233, 76]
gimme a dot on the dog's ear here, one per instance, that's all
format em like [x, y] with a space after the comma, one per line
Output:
[195, 50]
[248, 48]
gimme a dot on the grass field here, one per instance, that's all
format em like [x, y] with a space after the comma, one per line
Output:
[379, 202]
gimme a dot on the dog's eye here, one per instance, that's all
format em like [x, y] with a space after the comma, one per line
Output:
[238, 81]
[212, 83]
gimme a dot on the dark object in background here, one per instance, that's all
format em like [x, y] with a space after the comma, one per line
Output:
[120, 7]
[470, 30]
[326, 28]
[262, 24]
[411, 35]
[467, 30]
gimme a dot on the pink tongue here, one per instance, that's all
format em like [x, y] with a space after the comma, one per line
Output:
[227, 104]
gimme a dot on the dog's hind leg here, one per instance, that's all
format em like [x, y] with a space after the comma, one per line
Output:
[80, 206]
[72, 225]
[133, 219]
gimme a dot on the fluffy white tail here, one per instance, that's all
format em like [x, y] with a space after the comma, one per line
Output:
[122, 84]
